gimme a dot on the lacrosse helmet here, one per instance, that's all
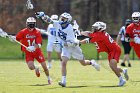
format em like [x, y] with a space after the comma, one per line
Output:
[136, 17]
[65, 18]
[99, 26]
[54, 17]
[31, 22]
[127, 22]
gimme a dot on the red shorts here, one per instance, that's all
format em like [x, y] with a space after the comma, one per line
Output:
[30, 56]
[115, 54]
[137, 50]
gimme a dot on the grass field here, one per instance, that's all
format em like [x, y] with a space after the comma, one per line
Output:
[15, 77]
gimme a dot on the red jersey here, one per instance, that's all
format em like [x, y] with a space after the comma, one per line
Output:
[133, 31]
[29, 38]
[103, 41]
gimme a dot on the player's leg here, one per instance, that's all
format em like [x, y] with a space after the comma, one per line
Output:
[113, 66]
[30, 63]
[57, 48]
[127, 52]
[49, 51]
[40, 58]
[44, 66]
[113, 58]
[124, 58]
[90, 62]
[65, 55]
[49, 59]
[31, 66]
[77, 54]
[64, 71]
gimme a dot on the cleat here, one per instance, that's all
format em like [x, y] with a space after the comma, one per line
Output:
[62, 84]
[37, 72]
[123, 64]
[121, 82]
[129, 65]
[95, 65]
[49, 82]
[49, 66]
[125, 72]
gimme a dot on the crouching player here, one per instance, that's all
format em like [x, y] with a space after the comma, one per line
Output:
[31, 38]
[104, 43]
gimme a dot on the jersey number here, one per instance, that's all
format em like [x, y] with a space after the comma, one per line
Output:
[109, 38]
[31, 43]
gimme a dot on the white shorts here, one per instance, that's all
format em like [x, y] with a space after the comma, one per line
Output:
[75, 52]
[51, 46]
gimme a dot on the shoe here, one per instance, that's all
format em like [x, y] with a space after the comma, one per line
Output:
[95, 65]
[62, 84]
[125, 71]
[121, 82]
[49, 82]
[123, 64]
[49, 66]
[37, 72]
[129, 65]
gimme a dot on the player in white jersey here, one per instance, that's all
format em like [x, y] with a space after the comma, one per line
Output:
[53, 42]
[64, 30]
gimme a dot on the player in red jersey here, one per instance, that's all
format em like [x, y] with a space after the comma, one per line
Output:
[31, 38]
[133, 33]
[104, 43]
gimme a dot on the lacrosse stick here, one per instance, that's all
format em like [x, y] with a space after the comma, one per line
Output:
[5, 35]
[30, 6]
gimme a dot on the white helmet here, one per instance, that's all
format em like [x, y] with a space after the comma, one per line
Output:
[65, 17]
[31, 22]
[99, 26]
[136, 17]
[54, 17]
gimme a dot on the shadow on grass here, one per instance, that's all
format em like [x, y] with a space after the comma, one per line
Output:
[39, 85]
[68, 87]
[108, 86]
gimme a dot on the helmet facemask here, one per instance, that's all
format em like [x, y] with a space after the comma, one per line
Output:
[65, 18]
[136, 17]
[31, 22]
[98, 26]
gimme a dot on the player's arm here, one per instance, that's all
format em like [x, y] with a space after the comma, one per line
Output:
[44, 17]
[38, 41]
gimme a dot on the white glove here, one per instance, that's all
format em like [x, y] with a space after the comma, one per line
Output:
[12, 38]
[31, 48]
[137, 40]
[87, 40]
[70, 43]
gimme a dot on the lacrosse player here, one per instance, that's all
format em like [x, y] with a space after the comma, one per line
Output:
[31, 38]
[133, 33]
[64, 30]
[126, 45]
[104, 43]
[53, 42]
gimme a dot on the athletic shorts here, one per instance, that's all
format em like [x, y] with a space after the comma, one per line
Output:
[30, 56]
[127, 47]
[51, 46]
[115, 54]
[74, 52]
[137, 50]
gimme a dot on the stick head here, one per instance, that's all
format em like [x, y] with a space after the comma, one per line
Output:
[2, 33]
[29, 5]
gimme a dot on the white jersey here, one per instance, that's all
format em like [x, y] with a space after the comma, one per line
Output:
[67, 34]
[51, 38]
[122, 33]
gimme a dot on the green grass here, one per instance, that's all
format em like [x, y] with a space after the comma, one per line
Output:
[11, 50]
[15, 77]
